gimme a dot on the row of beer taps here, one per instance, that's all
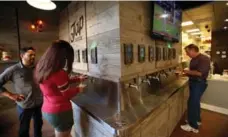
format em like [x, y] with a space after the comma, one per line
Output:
[155, 76]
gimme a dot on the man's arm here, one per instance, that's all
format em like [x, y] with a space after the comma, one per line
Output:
[203, 67]
[4, 78]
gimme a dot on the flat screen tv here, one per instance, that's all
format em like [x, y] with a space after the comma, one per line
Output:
[166, 21]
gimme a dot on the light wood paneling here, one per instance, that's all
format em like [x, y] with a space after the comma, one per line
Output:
[101, 17]
[108, 54]
[135, 29]
[101, 27]
[76, 10]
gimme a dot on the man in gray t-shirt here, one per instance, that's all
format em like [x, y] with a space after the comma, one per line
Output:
[197, 73]
[27, 94]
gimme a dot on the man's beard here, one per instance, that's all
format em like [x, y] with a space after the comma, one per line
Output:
[32, 62]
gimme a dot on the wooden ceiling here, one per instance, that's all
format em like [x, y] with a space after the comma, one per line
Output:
[212, 14]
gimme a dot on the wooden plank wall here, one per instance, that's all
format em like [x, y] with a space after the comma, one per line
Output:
[135, 28]
[39, 40]
[76, 10]
[101, 29]
[109, 25]
[27, 14]
[64, 25]
[8, 31]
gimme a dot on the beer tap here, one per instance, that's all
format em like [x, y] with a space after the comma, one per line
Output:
[92, 80]
[165, 74]
[147, 80]
[133, 85]
[157, 76]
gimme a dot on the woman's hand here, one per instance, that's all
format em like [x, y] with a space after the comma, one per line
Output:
[78, 78]
[81, 87]
[82, 77]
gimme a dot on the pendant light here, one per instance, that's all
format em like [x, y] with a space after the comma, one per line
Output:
[42, 4]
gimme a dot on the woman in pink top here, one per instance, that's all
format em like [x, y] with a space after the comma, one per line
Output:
[54, 84]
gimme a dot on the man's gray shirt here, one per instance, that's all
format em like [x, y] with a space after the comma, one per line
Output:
[23, 82]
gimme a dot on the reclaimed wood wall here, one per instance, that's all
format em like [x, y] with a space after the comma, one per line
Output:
[8, 31]
[108, 26]
[77, 32]
[135, 28]
[26, 16]
[103, 32]
[100, 30]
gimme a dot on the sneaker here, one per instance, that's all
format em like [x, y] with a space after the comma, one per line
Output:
[188, 128]
[198, 123]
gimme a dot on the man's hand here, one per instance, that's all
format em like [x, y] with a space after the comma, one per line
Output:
[192, 73]
[13, 96]
[185, 71]
[16, 97]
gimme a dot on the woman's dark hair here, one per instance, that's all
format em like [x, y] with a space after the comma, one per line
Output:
[54, 59]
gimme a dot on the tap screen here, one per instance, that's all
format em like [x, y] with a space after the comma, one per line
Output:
[151, 53]
[128, 54]
[77, 55]
[141, 53]
[170, 54]
[174, 53]
[164, 53]
[158, 53]
[94, 55]
[84, 56]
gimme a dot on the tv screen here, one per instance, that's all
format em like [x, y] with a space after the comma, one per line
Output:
[166, 21]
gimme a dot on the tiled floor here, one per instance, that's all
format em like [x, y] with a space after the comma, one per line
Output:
[214, 125]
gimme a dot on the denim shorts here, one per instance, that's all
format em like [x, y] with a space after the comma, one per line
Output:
[61, 122]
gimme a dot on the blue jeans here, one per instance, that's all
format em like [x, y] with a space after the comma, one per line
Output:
[197, 88]
[25, 116]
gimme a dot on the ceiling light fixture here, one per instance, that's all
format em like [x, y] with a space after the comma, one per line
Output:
[164, 15]
[196, 33]
[192, 30]
[202, 36]
[226, 20]
[42, 4]
[187, 23]
[227, 4]
[225, 27]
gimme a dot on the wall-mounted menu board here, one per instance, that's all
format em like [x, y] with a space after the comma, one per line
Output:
[141, 53]
[128, 54]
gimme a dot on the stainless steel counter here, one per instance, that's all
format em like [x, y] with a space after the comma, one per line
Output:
[98, 101]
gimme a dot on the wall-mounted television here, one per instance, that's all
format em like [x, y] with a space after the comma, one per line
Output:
[166, 21]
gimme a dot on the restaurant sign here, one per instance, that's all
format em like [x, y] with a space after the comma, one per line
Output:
[76, 29]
